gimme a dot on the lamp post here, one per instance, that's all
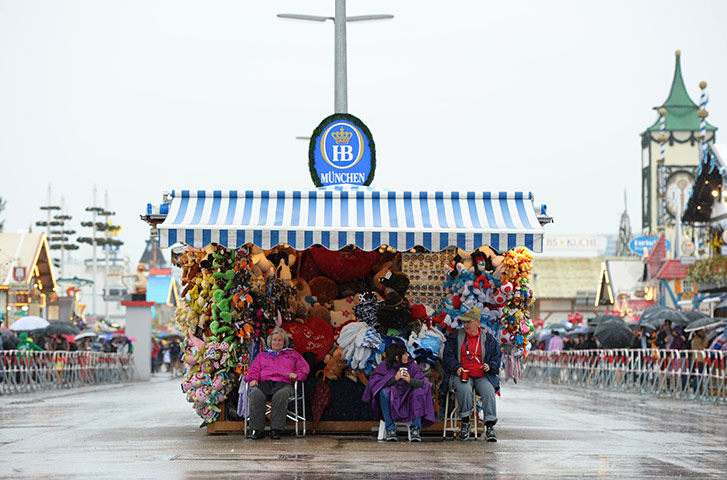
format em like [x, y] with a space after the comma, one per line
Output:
[340, 92]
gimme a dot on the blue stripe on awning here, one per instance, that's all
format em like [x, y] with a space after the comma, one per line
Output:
[505, 210]
[376, 208]
[231, 208]
[247, 212]
[295, 218]
[424, 206]
[279, 208]
[199, 207]
[441, 214]
[344, 210]
[364, 217]
[216, 202]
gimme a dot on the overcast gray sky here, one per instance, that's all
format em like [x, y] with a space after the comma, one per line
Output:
[138, 97]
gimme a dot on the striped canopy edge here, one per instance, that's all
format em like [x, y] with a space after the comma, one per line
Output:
[338, 216]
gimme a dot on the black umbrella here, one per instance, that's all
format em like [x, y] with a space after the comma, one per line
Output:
[648, 314]
[614, 334]
[658, 317]
[582, 330]
[602, 317]
[693, 315]
[62, 327]
[706, 322]
[10, 341]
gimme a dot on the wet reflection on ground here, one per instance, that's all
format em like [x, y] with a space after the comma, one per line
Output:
[149, 431]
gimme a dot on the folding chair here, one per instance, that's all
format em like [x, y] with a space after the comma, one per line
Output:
[295, 413]
[451, 417]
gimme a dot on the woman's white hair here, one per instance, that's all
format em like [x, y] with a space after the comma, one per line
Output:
[277, 331]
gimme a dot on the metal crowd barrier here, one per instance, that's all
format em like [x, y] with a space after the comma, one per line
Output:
[22, 371]
[681, 374]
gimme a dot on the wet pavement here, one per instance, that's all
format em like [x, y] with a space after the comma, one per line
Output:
[147, 430]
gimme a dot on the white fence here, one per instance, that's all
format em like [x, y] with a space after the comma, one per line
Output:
[30, 371]
[681, 374]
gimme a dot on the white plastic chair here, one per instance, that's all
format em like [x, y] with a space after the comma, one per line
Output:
[399, 427]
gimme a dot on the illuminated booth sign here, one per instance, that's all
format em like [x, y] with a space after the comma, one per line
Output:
[341, 152]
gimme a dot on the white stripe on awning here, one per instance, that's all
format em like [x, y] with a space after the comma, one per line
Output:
[338, 216]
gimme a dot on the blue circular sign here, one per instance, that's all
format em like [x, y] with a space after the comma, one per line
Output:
[638, 244]
[341, 152]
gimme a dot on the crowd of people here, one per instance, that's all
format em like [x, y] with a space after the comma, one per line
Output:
[40, 341]
[665, 337]
[166, 356]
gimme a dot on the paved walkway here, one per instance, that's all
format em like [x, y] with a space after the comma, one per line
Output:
[147, 430]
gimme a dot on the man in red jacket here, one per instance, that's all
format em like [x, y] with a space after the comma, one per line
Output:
[472, 357]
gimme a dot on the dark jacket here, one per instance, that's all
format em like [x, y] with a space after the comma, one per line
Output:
[491, 355]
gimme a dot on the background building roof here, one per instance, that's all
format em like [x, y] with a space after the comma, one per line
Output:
[27, 250]
[681, 111]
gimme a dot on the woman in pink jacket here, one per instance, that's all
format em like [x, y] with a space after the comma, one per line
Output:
[272, 375]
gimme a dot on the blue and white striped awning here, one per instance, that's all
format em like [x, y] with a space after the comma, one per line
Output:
[338, 216]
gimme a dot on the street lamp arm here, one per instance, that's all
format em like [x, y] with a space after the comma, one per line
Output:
[312, 18]
[316, 18]
[361, 18]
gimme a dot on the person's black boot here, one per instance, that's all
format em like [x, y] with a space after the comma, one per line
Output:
[257, 435]
[490, 434]
[275, 434]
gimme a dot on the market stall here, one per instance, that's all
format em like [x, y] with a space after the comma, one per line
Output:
[345, 270]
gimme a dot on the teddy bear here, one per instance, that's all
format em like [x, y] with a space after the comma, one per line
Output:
[395, 282]
[303, 291]
[262, 266]
[323, 289]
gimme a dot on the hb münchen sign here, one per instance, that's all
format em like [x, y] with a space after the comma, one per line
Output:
[341, 151]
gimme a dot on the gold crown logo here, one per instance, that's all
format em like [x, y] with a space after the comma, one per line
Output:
[341, 136]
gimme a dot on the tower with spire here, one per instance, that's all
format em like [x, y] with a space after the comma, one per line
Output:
[670, 156]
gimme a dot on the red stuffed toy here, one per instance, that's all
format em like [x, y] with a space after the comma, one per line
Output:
[340, 266]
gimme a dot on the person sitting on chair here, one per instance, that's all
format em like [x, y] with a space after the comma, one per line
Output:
[272, 375]
[473, 355]
[398, 391]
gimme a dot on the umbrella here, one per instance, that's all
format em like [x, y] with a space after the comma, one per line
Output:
[171, 335]
[602, 317]
[62, 328]
[653, 310]
[714, 334]
[693, 315]
[86, 334]
[24, 324]
[321, 399]
[10, 341]
[676, 317]
[707, 322]
[614, 334]
[582, 330]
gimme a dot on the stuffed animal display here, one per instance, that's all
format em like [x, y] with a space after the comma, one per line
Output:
[228, 303]
[340, 308]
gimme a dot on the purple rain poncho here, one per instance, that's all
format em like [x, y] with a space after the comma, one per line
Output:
[407, 403]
